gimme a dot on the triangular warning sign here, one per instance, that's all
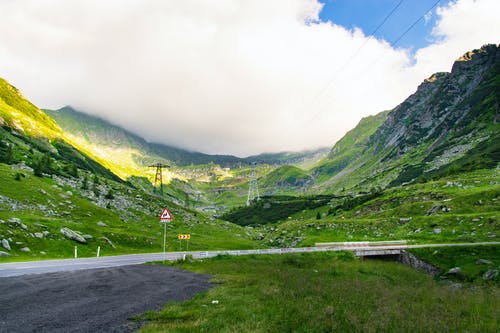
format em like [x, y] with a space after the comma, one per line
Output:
[165, 215]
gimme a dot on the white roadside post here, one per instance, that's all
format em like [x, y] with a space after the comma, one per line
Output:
[76, 252]
[165, 217]
[98, 251]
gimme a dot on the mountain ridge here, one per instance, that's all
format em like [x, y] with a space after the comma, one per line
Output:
[446, 119]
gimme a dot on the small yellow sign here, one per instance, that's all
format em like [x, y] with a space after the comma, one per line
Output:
[185, 236]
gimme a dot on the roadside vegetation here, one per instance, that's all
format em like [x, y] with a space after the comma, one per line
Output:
[325, 292]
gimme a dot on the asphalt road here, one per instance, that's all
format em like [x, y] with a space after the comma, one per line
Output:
[93, 300]
[47, 266]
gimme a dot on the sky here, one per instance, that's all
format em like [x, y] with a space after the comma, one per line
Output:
[235, 77]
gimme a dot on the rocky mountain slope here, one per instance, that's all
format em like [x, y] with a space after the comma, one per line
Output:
[449, 124]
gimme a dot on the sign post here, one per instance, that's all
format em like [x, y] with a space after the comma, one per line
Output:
[165, 217]
[187, 237]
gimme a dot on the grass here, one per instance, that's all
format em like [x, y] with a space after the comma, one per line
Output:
[471, 201]
[132, 228]
[464, 257]
[324, 292]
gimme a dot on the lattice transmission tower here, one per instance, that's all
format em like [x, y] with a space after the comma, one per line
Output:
[158, 177]
[253, 187]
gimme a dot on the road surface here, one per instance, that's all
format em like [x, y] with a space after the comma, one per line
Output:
[92, 300]
[47, 266]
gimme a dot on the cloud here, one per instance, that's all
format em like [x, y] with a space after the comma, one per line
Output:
[223, 76]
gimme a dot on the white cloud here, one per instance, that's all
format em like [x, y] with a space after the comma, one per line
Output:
[221, 76]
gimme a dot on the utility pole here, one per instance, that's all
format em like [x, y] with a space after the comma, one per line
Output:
[158, 177]
[253, 187]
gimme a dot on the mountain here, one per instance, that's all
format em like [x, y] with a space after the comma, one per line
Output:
[109, 141]
[29, 136]
[54, 196]
[449, 124]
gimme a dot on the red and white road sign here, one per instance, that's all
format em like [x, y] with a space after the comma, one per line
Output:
[185, 236]
[165, 215]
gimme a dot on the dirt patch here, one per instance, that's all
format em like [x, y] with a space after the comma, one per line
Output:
[94, 300]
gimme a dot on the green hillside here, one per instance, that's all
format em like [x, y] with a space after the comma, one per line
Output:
[349, 148]
[47, 186]
[450, 124]
[286, 177]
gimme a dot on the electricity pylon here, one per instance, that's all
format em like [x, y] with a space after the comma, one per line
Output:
[253, 187]
[158, 177]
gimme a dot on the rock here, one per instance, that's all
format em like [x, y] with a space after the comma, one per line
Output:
[260, 236]
[45, 233]
[455, 270]
[40, 225]
[43, 191]
[437, 231]
[483, 262]
[4, 254]
[38, 235]
[87, 236]
[404, 220]
[25, 249]
[490, 274]
[436, 209]
[5, 244]
[108, 241]
[455, 286]
[73, 235]
[15, 220]
[102, 224]
[43, 253]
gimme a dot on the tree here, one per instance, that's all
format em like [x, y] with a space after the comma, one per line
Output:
[9, 155]
[110, 195]
[85, 183]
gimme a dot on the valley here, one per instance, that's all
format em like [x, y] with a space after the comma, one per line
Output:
[426, 172]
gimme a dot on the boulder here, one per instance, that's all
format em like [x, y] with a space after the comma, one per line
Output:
[437, 231]
[437, 208]
[38, 235]
[73, 235]
[25, 249]
[455, 270]
[483, 262]
[260, 236]
[4, 254]
[5, 244]
[102, 224]
[404, 220]
[87, 236]
[490, 274]
[109, 242]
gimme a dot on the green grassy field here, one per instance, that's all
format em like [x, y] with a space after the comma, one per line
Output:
[325, 292]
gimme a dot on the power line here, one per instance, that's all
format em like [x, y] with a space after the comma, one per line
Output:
[392, 44]
[358, 50]
[414, 23]
[349, 60]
